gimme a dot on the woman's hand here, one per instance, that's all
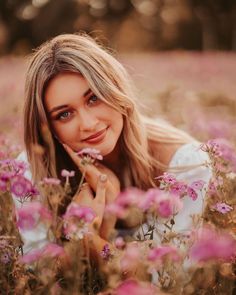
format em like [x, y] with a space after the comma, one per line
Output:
[97, 204]
[92, 174]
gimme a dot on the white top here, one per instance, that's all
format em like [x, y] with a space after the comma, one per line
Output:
[188, 154]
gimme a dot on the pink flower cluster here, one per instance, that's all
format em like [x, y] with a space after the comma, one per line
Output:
[169, 183]
[83, 213]
[131, 257]
[76, 220]
[106, 252]
[159, 253]
[134, 287]
[210, 245]
[223, 152]
[50, 250]
[90, 152]
[222, 207]
[154, 200]
[165, 201]
[66, 173]
[12, 178]
[29, 215]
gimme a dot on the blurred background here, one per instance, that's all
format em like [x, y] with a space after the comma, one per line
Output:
[181, 54]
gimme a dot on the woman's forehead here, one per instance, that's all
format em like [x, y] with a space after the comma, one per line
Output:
[63, 87]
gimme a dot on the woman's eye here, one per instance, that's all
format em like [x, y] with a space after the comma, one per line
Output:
[63, 116]
[92, 99]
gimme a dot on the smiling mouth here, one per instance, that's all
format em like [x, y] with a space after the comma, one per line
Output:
[96, 137]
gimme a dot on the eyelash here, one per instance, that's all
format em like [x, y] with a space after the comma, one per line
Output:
[93, 96]
[90, 101]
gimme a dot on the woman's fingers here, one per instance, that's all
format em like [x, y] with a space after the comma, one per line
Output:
[100, 197]
[85, 196]
[92, 172]
[77, 160]
[99, 201]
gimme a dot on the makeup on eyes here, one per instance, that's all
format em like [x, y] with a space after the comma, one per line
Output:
[57, 108]
[91, 100]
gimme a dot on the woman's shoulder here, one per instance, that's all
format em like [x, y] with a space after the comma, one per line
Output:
[22, 157]
[178, 154]
[163, 152]
[191, 161]
[188, 154]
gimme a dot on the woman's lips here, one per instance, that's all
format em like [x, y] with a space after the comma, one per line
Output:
[97, 137]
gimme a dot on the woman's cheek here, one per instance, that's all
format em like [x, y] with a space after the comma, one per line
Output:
[63, 132]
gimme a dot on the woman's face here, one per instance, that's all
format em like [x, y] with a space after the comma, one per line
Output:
[78, 117]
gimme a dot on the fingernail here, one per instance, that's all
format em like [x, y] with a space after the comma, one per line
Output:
[103, 177]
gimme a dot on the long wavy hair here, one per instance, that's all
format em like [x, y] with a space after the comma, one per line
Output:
[109, 80]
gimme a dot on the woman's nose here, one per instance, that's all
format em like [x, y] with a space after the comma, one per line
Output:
[87, 120]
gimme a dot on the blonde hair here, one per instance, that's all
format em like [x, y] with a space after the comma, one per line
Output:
[108, 80]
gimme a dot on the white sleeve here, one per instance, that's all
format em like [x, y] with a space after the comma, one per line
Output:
[37, 237]
[190, 154]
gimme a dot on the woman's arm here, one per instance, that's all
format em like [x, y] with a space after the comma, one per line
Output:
[92, 174]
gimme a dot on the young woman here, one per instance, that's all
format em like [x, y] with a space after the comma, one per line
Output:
[79, 96]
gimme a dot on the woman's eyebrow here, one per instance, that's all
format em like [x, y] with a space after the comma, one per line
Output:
[57, 108]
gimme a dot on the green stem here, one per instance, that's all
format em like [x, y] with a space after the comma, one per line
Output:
[81, 180]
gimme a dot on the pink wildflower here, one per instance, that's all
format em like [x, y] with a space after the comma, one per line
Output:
[198, 184]
[148, 199]
[178, 188]
[19, 167]
[119, 243]
[53, 250]
[91, 152]
[212, 245]
[131, 257]
[5, 258]
[74, 230]
[50, 250]
[82, 212]
[165, 208]
[66, 173]
[222, 208]
[76, 220]
[223, 150]
[168, 205]
[53, 181]
[116, 209]
[32, 256]
[158, 253]
[134, 287]
[20, 186]
[7, 175]
[192, 193]
[167, 178]
[106, 252]
[32, 213]
[212, 187]
[126, 199]
[130, 197]
[3, 185]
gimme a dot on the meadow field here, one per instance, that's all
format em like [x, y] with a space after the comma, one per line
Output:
[171, 85]
[195, 92]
